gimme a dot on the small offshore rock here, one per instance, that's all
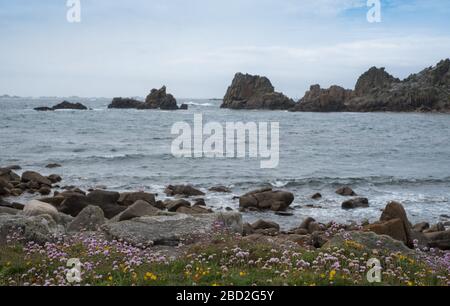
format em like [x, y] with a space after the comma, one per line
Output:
[183, 190]
[220, 189]
[356, 203]
[346, 191]
[316, 196]
[52, 166]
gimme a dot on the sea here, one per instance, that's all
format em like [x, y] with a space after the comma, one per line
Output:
[383, 156]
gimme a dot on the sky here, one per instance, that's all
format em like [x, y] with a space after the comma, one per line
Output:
[194, 47]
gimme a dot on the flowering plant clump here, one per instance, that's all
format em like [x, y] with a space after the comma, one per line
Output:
[218, 259]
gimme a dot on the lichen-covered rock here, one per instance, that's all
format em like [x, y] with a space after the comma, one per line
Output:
[139, 209]
[37, 208]
[170, 230]
[369, 242]
[8, 211]
[39, 229]
[89, 219]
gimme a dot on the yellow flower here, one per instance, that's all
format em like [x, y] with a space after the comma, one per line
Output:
[150, 276]
[215, 285]
[110, 278]
[332, 274]
[242, 274]
[410, 284]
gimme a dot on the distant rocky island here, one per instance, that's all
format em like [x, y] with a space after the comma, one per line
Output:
[375, 91]
[62, 105]
[157, 99]
[9, 97]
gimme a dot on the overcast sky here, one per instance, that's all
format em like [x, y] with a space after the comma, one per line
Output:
[127, 47]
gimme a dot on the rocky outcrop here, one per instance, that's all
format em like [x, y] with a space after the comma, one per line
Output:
[31, 176]
[39, 229]
[125, 103]
[130, 198]
[266, 199]
[89, 219]
[374, 79]
[173, 206]
[4, 210]
[170, 230]
[254, 92]
[37, 208]
[394, 223]
[439, 240]
[324, 100]
[69, 105]
[75, 202]
[63, 105]
[378, 91]
[139, 209]
[369, 242]
[157, 99]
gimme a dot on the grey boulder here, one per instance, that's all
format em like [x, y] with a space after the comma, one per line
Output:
[170, 230]
[89, 219]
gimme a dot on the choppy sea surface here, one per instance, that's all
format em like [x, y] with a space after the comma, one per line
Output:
[382, 156]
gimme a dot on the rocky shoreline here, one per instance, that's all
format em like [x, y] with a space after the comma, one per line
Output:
[140, 218]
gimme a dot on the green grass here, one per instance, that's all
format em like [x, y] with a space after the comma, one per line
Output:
[222, 261]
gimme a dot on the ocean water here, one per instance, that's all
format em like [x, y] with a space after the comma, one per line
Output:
[382, 156]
